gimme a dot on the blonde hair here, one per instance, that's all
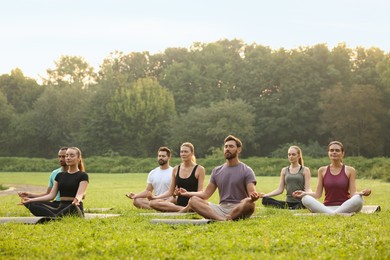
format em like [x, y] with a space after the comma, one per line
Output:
[81, 163]
[191, 146]
[300, 160]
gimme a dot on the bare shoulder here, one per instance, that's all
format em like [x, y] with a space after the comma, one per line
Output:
[200, 169]
[283, 171]
[306, 170]
[349, 170]
[322, 170]
[174, 171]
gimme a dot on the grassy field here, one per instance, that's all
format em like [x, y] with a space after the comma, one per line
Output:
[270, 234]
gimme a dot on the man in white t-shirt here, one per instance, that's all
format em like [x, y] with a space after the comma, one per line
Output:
[159, 180]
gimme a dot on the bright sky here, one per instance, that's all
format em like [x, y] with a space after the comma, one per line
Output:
[35, 33]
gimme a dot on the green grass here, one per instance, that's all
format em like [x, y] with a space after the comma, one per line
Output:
[2, 187]
[272, 234]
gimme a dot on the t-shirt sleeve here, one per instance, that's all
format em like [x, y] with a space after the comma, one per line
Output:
[250, 176]
[58, 176]
[84, 177]
[51, 181]
[149, 180]
[212, 178]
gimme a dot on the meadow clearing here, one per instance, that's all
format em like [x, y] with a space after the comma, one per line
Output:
[269, 234]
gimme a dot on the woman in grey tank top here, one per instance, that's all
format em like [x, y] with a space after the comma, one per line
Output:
[292, 178]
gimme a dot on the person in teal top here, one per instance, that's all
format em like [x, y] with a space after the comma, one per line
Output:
[292, 178]
[63, 168]
[51, 181]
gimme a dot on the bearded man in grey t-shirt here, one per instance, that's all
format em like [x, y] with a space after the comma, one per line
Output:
[236, 186]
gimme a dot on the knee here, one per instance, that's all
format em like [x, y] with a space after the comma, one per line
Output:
[194, 201]
[153, 204]
[32, 205]
[248, 204]
[265, 201]
[358, 197]
[247, 208]
[28, 205]
[136, 203]
[358, 200]
[250, 208]
[306, 200]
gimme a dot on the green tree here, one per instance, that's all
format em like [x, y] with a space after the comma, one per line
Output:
[21, 92]
[143, 111]
[207, 127]
[383, 72]
[365, 66]
[340, 67]
[256, 75]
[353, 116]
[100, 132]
[287, 102]
[205, 75]
[54, 121]
[70, 71]
[127, 68]
[7, 114]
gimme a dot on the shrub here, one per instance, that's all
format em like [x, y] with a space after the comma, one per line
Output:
[313, 149]
[373, 168]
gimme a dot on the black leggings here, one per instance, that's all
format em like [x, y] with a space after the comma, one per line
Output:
[270, 202]
[49, 209]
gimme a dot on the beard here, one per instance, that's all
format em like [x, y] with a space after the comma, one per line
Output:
[230, 155]
[162, 162]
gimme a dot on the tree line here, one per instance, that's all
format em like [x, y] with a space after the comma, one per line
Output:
[137, 102]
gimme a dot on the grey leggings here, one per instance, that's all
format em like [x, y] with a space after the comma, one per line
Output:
[354, 204]
[44, 209]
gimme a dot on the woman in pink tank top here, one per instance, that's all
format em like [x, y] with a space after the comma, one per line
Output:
[339, 182]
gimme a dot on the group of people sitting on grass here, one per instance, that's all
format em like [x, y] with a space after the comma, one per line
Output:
[180, 188]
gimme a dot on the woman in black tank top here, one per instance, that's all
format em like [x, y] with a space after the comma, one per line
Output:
[187, 175]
